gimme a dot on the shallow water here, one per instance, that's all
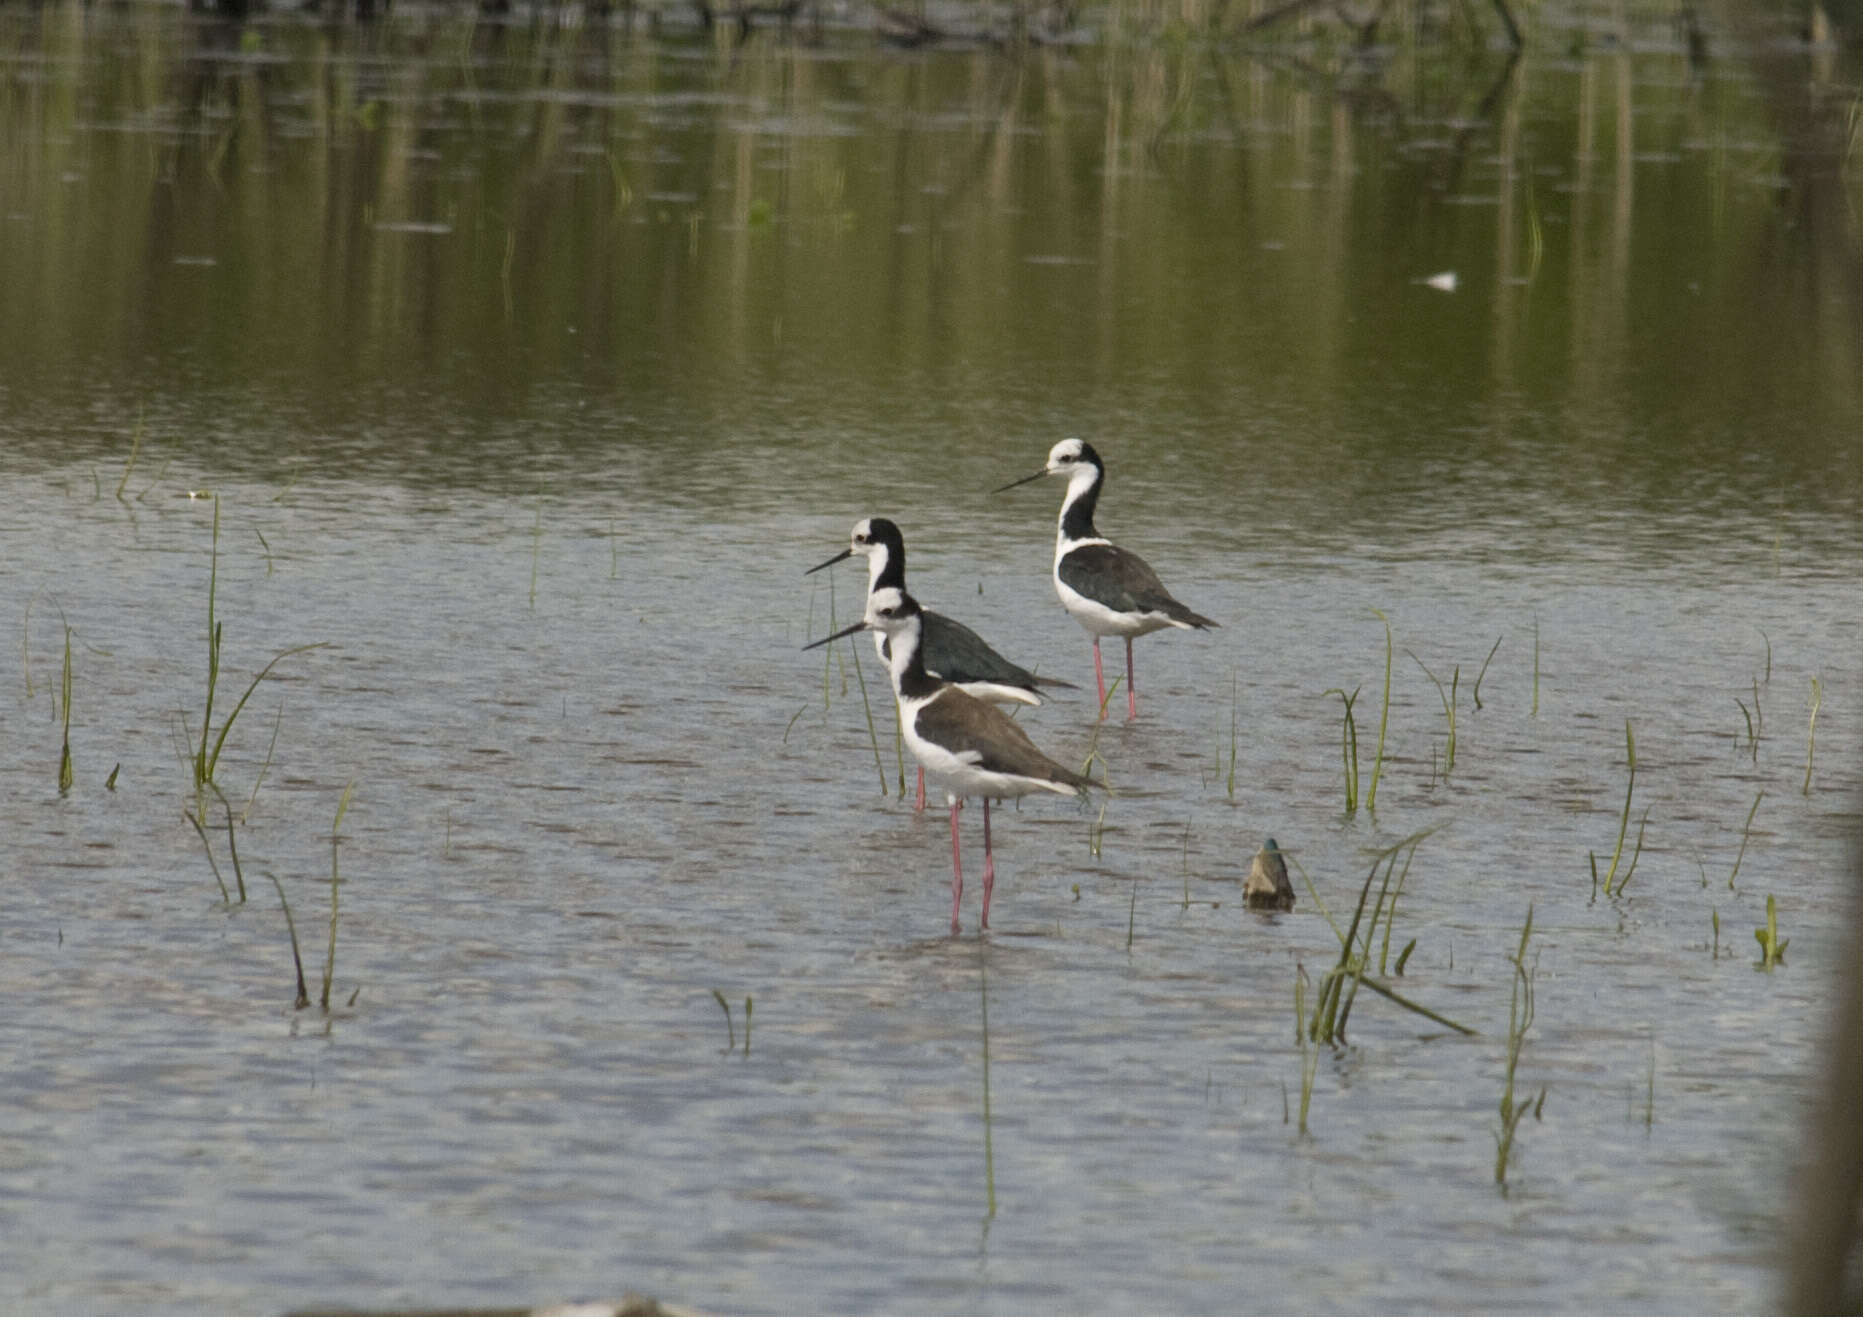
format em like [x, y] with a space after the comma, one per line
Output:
[595, 779]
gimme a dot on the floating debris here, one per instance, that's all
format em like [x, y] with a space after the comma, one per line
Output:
[1267, 887]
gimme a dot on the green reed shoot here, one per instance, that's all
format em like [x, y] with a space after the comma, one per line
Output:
[266, 766]
[879, 765]
[65, 773]
[135, 447]
[1314, 892]
[1309, 1050]
[1715, 916]
[1339, 986]
[1811, 732]
[1348, 746]
[1752, 739]
[1636, 853]
[1390, 914]
[1649, 1093]
[1484, 669]
[1232, 734]
[1768, 640]
[336, 829]
[226, 897]
[1772, 946]
[1519, 1020]
[303, 998]
[1746, 834]
[1623, 824]
[1536, 667]
[232, 844]
[206, 756]
[1384, 718]
[110, 782]
[536, 545]
[1109, 696]
[1448, 697]
[730, 1028]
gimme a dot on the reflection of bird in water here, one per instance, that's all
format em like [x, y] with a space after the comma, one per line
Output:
[1267, 887]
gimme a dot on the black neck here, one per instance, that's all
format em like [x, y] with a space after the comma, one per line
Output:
[914, 681]
[1077, 517]
[892, 569]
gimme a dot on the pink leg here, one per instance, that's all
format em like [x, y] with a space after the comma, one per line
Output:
[989, 863]
[921, 805]
[1099, 678]
[1131, 685]
[957, 869]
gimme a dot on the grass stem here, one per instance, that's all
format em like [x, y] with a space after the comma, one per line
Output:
[1384, 718]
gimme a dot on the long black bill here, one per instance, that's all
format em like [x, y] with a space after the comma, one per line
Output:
[1025, 479]
[844, 631]
[845, 553]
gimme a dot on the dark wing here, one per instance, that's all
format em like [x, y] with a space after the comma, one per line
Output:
[956, 653]
[1108, 574]
[959, 721]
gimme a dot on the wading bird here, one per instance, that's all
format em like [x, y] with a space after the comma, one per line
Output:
[967, 746]
[951, 650]
[1110, 591]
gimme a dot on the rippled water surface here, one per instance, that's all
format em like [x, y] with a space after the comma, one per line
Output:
[542, 480]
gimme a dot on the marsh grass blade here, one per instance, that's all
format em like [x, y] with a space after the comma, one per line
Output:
[66, 774]
[1746, 834]
[1536, 667]
[1476, 692]
[1772, 946]
[297, 959]
[1519, 1020]
[336, 882]
[730, 1028]
[1338, 987]
[1348, 746]
[1811, 731]
[135, 447]
[226, 897]
[1447, 696]
[1384, 717]
[1623, 823]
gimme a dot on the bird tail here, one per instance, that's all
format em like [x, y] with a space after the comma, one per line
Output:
[1184, 617]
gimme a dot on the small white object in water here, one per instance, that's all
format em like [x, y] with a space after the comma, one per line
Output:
[1442, 283]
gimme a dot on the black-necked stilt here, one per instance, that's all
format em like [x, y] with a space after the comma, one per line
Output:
[951, 650]
[1267, 887]
[1108, 590]
[966, 745]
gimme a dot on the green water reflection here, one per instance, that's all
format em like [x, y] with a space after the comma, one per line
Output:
[434, 225]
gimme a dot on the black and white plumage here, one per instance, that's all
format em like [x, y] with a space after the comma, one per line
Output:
[951, 650]
[1110, 591]
[966, 745]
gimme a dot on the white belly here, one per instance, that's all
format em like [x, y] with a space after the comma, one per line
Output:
[1099, 620]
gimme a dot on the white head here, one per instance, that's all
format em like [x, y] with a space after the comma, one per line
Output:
[1068, 456]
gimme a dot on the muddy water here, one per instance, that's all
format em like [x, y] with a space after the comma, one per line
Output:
[550, 526]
